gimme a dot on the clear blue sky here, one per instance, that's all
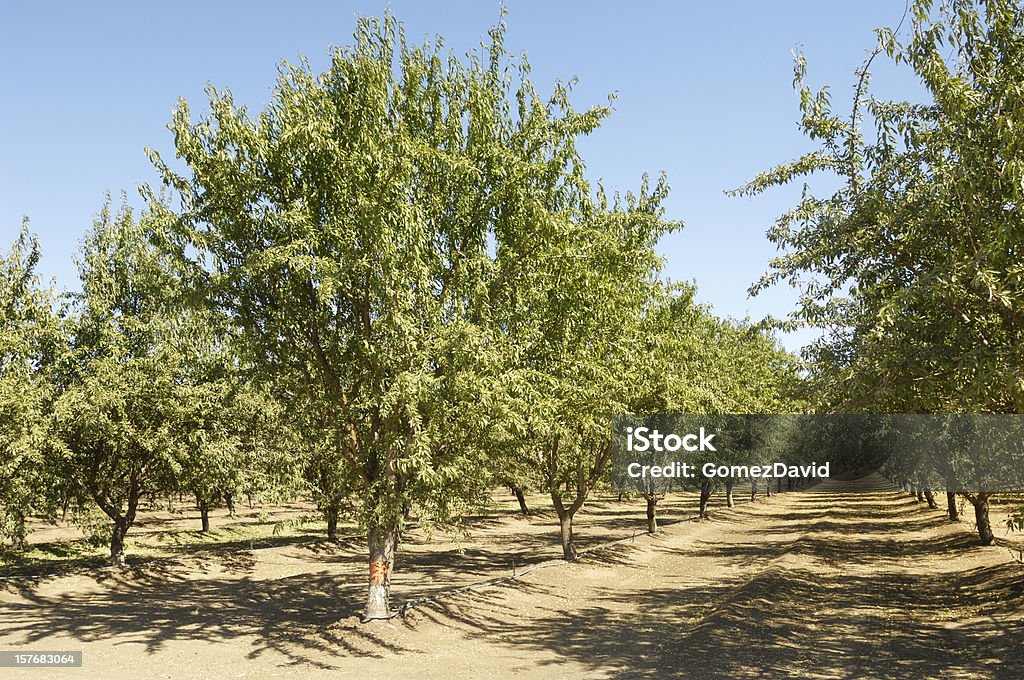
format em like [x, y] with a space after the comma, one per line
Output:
[704, 94]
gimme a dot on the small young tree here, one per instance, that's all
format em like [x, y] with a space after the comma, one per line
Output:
[113, 418]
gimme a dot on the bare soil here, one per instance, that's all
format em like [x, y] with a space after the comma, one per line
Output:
[853, 579]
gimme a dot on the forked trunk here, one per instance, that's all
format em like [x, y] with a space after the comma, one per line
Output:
[382, 558]
[122, 522]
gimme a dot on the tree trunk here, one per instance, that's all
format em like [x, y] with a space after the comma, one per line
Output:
[930, 497]
[728, 493]
[382, 560]
[753, 491]
[121, 522]
[980, 503]
[204, 514]
[920, 495]
[768, 488]
[521, 497]
[117, 558]
[332, 524]
[954, 513]
[705, 494]
[229, 500]
[652, 517]
[565, 529]
[778, 488]
[585, 480]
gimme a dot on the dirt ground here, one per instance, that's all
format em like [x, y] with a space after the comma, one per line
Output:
[852, 580]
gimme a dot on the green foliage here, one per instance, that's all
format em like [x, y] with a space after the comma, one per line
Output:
[348, 230]
[696, 363]
[29, 335]
[228, 432]
[912, 267]
[112, 423]
[571, 320]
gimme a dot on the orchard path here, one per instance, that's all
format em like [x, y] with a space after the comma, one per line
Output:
[852, 580]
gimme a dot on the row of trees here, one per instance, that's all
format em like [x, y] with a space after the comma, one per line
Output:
[121, 391]
[393, 288]
[912, 269]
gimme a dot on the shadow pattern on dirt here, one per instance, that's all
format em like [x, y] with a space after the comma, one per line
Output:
[823, 599]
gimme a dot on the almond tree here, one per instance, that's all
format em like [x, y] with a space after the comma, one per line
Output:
[571, 325]
[227, 427]
[349, 230]
[700, 364]
[112, 424]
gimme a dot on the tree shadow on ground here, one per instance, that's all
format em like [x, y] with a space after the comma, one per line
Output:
[783, 620]
[158, 606]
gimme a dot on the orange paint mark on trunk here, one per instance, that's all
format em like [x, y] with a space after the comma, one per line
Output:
[378, 571]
